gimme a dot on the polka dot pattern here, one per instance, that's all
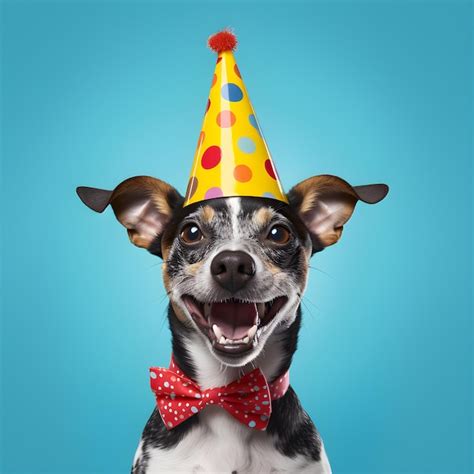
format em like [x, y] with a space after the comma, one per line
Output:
[201, 138]
[213, 193]
[192, 186]
[269, 169]
[254, 123]
[225, 119]
[211, 157]
[242, 173]
[232, 92]
[247, 399]
[246, 144]
[231, 158]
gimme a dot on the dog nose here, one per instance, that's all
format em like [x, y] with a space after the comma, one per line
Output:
[232, 269]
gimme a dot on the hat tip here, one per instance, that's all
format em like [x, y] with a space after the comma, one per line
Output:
[222, 41]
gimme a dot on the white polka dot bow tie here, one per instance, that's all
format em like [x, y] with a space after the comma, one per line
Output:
[248, 399]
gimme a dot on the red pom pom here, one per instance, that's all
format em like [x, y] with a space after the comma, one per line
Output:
[222, 41]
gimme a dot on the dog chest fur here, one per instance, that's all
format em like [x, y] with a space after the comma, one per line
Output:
[218, 443]
[221, 444]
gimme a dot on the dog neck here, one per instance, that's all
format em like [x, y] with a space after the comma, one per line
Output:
[194, 358]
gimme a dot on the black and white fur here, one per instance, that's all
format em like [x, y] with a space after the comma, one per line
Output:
[152, 212]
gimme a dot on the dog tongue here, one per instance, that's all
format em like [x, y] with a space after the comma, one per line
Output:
[234, 319]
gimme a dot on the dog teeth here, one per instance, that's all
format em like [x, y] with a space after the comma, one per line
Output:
[223, 340]
[217, 331]
[252, 331]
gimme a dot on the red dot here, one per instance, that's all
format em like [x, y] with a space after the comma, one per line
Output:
[269, 169]
[219, 59]
[236, 70]
[214, 80]
[208, 105]
[211, 157]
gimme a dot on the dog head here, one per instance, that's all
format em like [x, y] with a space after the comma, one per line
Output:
[234, 268]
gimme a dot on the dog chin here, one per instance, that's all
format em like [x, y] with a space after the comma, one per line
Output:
[235, 330]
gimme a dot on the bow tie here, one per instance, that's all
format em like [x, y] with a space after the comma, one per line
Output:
[248, 399]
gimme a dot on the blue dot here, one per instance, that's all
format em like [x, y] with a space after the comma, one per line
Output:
[252, 424]
[253, 122]
[257, 408]
[264, 417]
[246, 144]
[269, 195]
[232, 92]
[265, 403]
[194, 409]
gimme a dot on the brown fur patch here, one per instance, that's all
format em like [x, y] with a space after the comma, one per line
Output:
[180, 314]
[207, 214]
[304, 263]
[166, 278]
[167, 282]
[194, 268]
[165, 249]
[137, 239]
[331, 237]
[273, 269]
[262, 217]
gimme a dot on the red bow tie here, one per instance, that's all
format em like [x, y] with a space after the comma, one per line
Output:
[247, 399]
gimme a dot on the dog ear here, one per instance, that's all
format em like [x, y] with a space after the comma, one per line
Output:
[142, 204]
[325, 203]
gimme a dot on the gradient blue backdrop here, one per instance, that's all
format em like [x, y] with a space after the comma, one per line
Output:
[96, 92]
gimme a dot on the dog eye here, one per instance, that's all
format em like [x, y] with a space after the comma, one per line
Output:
[279, 234]
[191, 234]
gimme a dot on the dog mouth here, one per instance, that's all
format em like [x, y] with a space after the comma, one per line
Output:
[233, 326]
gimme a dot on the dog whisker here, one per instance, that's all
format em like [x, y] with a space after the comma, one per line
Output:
[320, 271]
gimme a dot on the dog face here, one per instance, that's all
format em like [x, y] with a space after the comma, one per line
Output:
[234, 268]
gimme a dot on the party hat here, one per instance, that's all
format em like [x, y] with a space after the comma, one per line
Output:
[232, 158]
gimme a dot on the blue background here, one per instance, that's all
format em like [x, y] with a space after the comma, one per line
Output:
[96, 92]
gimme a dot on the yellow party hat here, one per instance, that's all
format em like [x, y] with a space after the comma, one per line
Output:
[232, 158]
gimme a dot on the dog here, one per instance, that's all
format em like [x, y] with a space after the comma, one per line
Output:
[235, 270]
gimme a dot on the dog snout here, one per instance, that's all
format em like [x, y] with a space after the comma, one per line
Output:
[232, 269]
